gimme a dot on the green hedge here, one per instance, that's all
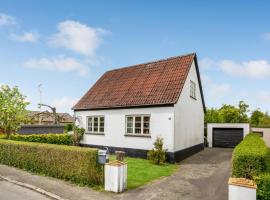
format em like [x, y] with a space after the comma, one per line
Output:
[250, 157]
[263, 183]
[71, 163]
[64, 139]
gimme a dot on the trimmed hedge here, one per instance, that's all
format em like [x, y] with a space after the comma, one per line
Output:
[63, 139]
[263, 183]
[250, 157]
[76, 164]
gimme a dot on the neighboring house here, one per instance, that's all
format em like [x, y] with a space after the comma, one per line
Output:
[264, 132]
[47, 118]
[128, 108]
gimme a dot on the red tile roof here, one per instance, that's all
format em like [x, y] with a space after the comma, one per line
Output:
[154, 83]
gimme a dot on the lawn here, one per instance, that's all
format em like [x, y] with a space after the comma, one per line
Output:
[142, 171]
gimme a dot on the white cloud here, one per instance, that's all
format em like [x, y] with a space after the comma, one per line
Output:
[6, 20]
[257, 69]
[206, 63]
[77, 37]
[215, 90]
[64, 104]
[25, 37]
[266, 36]
[60, 63]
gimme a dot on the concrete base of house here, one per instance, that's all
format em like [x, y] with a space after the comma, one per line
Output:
[140, 153]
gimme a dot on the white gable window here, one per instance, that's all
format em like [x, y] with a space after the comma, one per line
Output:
[138, 125]
[95, 124]
[193, 89]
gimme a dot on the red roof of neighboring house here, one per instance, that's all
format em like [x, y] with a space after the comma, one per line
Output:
[154, 83]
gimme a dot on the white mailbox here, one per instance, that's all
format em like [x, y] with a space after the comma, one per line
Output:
[240, 188]
[116, 176]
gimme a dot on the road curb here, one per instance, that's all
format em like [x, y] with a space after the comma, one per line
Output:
[34, 188]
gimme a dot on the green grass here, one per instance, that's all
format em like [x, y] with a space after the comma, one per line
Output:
[142, 171]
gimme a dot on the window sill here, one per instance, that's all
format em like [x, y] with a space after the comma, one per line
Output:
[134, 135]
[88, 133]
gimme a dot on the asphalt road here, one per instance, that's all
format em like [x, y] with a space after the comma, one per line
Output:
[9, 191]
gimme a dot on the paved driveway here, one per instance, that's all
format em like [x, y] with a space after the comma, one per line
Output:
[203, 176]
[9, 191]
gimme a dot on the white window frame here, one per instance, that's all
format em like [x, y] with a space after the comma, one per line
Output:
[133, 126]
[92, 118]
[192, 89]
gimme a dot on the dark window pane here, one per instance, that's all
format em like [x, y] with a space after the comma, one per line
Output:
[138, 125]
[146, 124]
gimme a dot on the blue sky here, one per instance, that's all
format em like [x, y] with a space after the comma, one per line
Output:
[67, 45]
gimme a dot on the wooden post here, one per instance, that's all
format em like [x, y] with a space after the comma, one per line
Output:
[120, 155]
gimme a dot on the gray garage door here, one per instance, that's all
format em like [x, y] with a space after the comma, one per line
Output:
[227, 137]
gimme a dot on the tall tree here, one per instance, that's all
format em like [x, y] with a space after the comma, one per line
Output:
[228, 114]
[212, 116]
[243, 110]
[256, 117]
[12, 109]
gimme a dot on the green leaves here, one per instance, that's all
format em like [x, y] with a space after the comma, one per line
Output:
[76, 164]
[228, 114]
[12, 109]
[157, 155]
[61, 139]
[250, 157]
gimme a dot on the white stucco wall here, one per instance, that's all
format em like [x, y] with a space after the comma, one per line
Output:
[161, 124]
[189, 115]
[210, 127]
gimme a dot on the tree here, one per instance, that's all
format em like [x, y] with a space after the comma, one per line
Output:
[243, 109]
[12, 109]
[256, 117]
[228, 114]
[265, 120]
[212, 116]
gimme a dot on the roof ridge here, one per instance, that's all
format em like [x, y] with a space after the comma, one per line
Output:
[154, 61]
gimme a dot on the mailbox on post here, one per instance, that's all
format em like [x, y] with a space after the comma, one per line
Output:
[103, 156]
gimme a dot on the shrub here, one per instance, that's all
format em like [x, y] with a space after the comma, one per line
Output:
[63, 139]
[75, 164]
[3, 136]
[68, 128]
[250, 157]
[157, 155]
[263, 183]
[77, 135]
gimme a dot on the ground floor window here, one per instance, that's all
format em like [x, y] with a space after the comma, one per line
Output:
[138, 124]
[95, 124]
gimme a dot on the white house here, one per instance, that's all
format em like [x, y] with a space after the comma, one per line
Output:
[128, 108]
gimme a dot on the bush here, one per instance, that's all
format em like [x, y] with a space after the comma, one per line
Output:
[75, 164]
[157, 155]
[68, 128]
[77, 135]
[263, 183]
[3, 136]
[250, 157]
[63, 139]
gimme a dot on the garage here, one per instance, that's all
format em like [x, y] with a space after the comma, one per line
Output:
[227, 137]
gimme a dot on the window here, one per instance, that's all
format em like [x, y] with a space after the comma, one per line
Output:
[138, 125]
[192, 89]
[95, 124]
